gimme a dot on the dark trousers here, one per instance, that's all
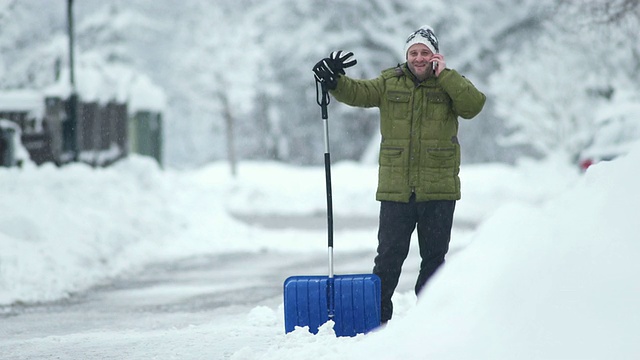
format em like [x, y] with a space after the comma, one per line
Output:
[397, 222]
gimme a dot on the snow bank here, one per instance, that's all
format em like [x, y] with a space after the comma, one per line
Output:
[554, 280]
[63, 230]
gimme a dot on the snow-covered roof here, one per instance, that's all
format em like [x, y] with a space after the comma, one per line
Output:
[30, 101]
[145, 95]
[101, 82]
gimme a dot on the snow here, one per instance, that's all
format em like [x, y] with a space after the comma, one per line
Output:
[550, 270]
[617, 128]
[102, 82]
[145, 95]
[22, 101]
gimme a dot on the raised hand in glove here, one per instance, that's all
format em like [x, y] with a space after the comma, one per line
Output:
[329, 69]
[342, 60]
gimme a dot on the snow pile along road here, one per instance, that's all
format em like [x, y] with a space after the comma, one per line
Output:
[551, 281]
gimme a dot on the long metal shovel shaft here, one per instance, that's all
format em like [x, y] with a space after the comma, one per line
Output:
[327, 171]
[323, 101]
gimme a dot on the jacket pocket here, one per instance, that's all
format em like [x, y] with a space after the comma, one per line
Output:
[439, 105]
[399, 104]
[440, 163]
[441, 157]
[392, 171]
[438, 97]
[390, 155]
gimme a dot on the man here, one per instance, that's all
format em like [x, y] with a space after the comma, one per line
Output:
[418, 184]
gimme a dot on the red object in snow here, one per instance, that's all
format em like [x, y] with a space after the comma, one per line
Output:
[584, 164]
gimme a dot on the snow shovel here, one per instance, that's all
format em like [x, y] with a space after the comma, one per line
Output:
[352, 302]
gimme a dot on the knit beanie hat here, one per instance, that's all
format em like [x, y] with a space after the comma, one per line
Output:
[424, 35]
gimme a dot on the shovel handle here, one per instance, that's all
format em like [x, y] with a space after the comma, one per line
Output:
[323, 99]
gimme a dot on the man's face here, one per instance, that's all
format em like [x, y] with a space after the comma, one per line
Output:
[419, 61]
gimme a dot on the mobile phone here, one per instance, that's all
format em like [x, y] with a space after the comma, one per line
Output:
[434, 65]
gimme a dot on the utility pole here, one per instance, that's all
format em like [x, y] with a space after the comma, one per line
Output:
[70, 127]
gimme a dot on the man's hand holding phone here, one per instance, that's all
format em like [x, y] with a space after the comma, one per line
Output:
[438, 63]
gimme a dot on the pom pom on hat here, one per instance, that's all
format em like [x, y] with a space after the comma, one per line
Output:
[424, 35]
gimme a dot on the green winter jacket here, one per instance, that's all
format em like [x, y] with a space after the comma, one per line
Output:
[419, 152]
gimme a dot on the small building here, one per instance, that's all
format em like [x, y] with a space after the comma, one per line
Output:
[119, 111]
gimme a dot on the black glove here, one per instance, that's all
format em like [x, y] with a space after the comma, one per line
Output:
[342, 61]
[326, 73]
[329, 69]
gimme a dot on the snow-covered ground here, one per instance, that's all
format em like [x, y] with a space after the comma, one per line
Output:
[550, 271]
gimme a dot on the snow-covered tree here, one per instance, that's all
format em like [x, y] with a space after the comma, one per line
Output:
[550, 92]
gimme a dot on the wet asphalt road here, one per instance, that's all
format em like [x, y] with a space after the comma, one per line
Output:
[197, 284]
